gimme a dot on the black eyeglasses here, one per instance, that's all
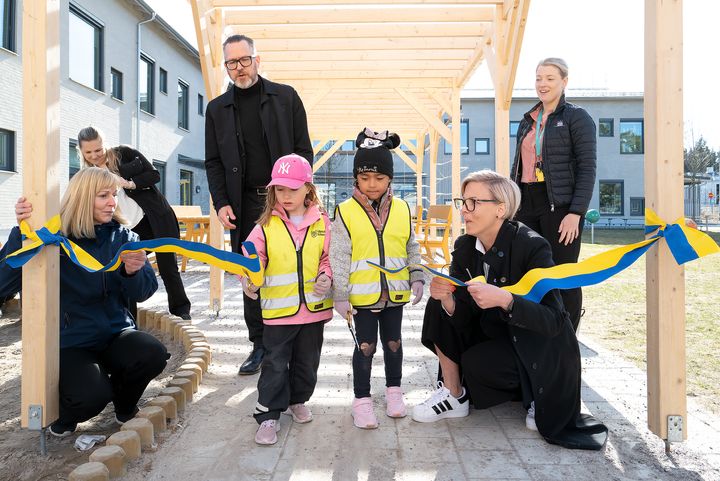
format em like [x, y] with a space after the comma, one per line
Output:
[470, 203]
[243, 61]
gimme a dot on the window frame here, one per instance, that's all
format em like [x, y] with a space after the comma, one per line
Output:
[183, 92]
[642, 135]
[466, 124]
[189, 188]
[116, 74]
[98, 74]
[150, 100]
[621, 182]
[612, 127]
[201, 104]
[161, 167]
[162, 80]
[8, 158]
[642, 207]
[73, 146]
[9, 22]
[515, 123]
[487, 142]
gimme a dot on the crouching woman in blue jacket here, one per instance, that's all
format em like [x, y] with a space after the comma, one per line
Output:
[103, 357]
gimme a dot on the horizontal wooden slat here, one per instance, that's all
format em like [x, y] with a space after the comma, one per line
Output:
[369, 30]
[266, 3]
[304, 44]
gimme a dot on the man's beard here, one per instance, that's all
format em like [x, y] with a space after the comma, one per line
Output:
[245, 82]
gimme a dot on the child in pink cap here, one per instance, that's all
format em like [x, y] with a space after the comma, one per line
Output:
[292, 238]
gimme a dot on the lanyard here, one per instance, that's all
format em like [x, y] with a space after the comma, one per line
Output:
[539, 132]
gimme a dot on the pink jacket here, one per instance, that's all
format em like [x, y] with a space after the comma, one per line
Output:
[312, 214]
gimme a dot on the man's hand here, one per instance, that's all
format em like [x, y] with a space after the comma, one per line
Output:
[134, 261]
[322, 285]
[249, 288]
[226, 214]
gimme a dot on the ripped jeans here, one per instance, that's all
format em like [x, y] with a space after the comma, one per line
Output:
[366, 324]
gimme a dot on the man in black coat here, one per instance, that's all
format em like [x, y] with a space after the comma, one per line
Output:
[246, 129]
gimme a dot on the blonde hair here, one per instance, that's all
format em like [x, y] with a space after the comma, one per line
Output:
[501, 188]
[77, 207]
[556, 62]
[311, 198]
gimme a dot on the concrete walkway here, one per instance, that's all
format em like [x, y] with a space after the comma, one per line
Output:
[214, 440]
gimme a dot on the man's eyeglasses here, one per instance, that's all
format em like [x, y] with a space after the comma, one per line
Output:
[470, 203]
[243, 61]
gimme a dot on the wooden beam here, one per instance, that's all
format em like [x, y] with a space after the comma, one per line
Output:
[235, 3]
[379, 44]
[470, 66]
[351, 30]
[322, 142]
[41, 174]
[312, 101]
[420, 156]
[410, 76]
[294, 55]
[502, 137]
[204, 50]
[666, 361]
[456, 157]
[379, 66]
[408, 161]
[437, 96]
[434, 121]
[434, 148]
[514, 45]
[404, 83]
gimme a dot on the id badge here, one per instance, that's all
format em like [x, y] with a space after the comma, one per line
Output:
[539, 175]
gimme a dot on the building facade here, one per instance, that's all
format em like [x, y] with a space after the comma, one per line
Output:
[155, 103]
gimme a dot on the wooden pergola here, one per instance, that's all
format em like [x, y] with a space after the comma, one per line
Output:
[397, 67]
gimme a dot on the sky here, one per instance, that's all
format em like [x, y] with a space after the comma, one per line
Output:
[602, 42]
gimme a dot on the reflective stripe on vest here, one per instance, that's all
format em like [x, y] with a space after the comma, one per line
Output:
[389, 250]
[280, 295]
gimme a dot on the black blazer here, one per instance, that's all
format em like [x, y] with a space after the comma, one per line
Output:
[134, 166]
[285, 127]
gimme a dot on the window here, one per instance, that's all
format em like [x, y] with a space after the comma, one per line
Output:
[186, 187]
[631, 136]
[183, 101]
[464, 138]
[637, 206]
[348, 146]
[201, 105]
[74, 162]
[7, 150]
[160, 167]
[147, 84]
[117, 84]
[482, 146]
[606, 127]
[514, 124]
[7, 24]
[163, 81]
[611, 197]
[86, 49]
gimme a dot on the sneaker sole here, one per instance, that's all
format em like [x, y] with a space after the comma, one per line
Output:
[396, 415]
[445, 415]
[531, 425]
[367, 426]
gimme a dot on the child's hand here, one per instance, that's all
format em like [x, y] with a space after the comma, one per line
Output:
[417, 288]
[343, 308]
[249, 288]
[322, 285]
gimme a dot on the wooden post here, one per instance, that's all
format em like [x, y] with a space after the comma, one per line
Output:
[434, 146]
[41, 160]
[664, 194]
[456, 129]
[420, 161]
[502, 136]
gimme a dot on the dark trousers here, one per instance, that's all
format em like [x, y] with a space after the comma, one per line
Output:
[90, 379]
[252, 207]
[178, 302]
[535, 213]
[366, 325]
[289, 368]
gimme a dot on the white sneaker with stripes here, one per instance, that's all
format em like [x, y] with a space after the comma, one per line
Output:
[440, 405]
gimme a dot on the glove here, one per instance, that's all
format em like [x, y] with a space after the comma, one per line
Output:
[417, 288]
[343, 307]
[249, 288]
[322, 285]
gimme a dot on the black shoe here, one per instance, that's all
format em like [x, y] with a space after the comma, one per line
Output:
[123, 418]
[186, 317]
[62, 430]
[253, 362]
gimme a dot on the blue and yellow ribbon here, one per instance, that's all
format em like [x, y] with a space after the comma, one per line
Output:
[246, 266]
[685, 243]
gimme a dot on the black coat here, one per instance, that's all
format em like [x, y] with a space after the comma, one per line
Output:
[569, 153]
[542, 336]
[285, 128]
[134, 166]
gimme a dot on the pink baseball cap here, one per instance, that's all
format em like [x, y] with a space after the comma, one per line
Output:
[291, 171]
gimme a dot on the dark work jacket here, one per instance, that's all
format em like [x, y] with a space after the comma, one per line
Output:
[134, 166]
[93, 305]
[569, 154]
[541, 335]
[284, 124]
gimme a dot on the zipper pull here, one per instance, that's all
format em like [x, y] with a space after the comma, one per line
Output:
[552, 207]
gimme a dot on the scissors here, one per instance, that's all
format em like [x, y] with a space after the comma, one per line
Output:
[352, 329]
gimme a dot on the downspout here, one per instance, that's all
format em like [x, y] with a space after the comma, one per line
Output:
[137, 103]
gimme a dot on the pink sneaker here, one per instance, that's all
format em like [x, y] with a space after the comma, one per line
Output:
[300, 413]
[267, 432]
[362, 413]
[395, 404]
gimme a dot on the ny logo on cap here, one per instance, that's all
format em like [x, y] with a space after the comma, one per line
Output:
[284, 168]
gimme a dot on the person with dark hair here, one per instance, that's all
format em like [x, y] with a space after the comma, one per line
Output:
[246, 128]
[555, 165]
[103, 357]
[144, 207]
[494, 346]
[373, 225]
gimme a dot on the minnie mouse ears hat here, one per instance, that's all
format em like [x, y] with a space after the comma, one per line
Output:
[373, 153]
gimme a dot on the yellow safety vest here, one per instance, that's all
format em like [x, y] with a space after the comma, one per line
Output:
[388, 249]
[287, 267]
